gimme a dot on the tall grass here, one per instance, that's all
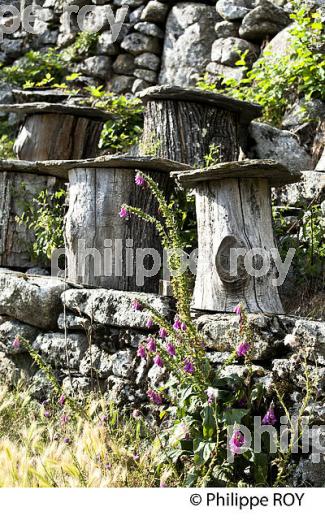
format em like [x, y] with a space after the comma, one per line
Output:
[50, 446]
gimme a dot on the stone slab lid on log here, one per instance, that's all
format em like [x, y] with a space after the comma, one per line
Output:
[237, 259]
[57, 131]
[19, 185]
[186, 124]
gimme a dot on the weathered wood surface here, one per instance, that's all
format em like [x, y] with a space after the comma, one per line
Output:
[60, 169]
[16, 191]
[231, 214]
[183, 123]
[96, 195]
[247, 111]
[277, 174]
[57, 136]
[184, 131]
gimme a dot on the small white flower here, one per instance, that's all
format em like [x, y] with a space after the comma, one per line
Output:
[291, 340]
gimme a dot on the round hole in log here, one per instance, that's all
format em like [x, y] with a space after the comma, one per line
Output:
[229, 260]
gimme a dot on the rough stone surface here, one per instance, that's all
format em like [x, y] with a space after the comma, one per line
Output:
[137, 43]
[265, 19]
[155, 11]
[228, 50]
[33, 300]
[124, 64]
[8, 332]
[218, 70]
[280, 145]
[225, 29]
[147, 60]
[187, 48]
[109, 307]
[59, 351]
[233, 9]
[311, 186]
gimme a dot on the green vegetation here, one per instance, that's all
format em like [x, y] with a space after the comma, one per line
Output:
[45, 216]
[6, 141]
[277, 81]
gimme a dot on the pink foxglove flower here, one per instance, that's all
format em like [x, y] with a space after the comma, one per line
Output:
[236, 442]
[154, 397]
[124, 212]
[158, 361]
[242, 349]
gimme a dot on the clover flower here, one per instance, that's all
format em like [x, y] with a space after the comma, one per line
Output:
[163, 333]
[140, 180]
[158, 361]
[152, 345]
[141, 352]
[124, 212]
[154, 397]
[136, 305]
[269, 417]
[16, 342]
[242, 349]
[189, 367]
[171, 349]
[149, 323]
[177, 324]
[236, 442]
[61, 400]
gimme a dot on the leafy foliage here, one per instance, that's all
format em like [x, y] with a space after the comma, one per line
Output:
[45, 216]
[276, 81]
[6, 141]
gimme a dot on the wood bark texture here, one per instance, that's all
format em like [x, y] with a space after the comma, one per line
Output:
[57, 136]
[231, 214]
[95, 198]
[184, 131]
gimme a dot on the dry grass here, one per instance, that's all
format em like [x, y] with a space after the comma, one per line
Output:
[89, 451]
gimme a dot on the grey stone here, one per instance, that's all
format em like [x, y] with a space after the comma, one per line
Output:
[228, 50]
[97, 66]
[37, 271]
[311, 186]
[12, 48]
[308, 473]
[40, 388]
[119, 391]
[218, 70]
[147, 60]
[54, 348]
[187, 48]
[137, 43]
[110, 307]
[265, 19]
[69, 321]
[320, 166]
[242, 371]
[150, 29]
[155, 11]
[105, 44]
[280, 145]
[148, 75]
[135, 15]
[124, 64]
[96, 363]
[8, 332]
[6, 95]
[304, 112]
[156, 376]
[225, 29]
[121, 363]
[78, 386]
[233, 9]
[9, 372]
[139, 85]
[131, 338]
[281, 44]
[33, 300]
[121, 83]
[311, 334]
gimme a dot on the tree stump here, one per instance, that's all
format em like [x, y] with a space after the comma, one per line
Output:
[185, 125]
[235, 235]
[17, 190]
[103, 249]
[57, 131]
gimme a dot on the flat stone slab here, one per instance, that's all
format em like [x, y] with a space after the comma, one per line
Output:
[46, 95]
[61, 168]
[34, 300]
[247, 111]
[114, 308]
[276, 173]
[58, 108]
